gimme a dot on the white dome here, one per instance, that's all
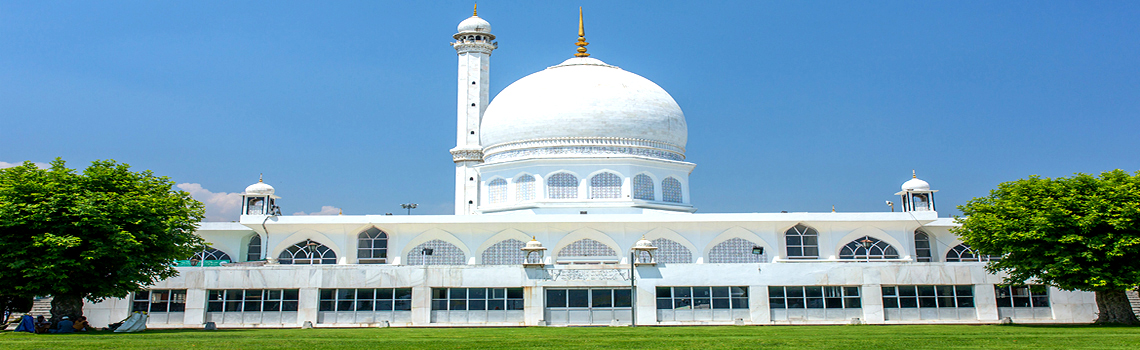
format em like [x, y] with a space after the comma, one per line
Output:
[474, 24]
[259, 188]
[584, 106]
[643, 244]
[915, 185]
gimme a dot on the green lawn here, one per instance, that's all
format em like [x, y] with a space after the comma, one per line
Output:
[797, 337]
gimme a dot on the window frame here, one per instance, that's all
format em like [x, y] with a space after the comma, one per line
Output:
[924, 296]
[462, 299]
[801, 233]
[815, 297]
[175, 299]
[702, 297]
[350, 299]
[372, 235]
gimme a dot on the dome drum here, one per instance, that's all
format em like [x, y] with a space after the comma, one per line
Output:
[583, 146]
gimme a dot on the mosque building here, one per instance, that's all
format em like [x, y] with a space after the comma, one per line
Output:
[572, 207]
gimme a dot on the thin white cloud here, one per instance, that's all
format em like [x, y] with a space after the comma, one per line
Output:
[220, 206]
[9, 165]
[325, 210]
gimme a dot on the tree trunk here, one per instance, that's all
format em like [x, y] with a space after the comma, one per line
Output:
[1114, 307]
[67, 305]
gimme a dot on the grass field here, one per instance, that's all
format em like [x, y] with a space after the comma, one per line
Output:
[792, 337]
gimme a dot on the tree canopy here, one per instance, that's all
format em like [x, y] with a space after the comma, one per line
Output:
[1075, 233]
[105, 232]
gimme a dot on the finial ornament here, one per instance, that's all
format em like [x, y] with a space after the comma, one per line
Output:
[259, 178]
[476, 12]
[913, 175]
[833, 209]
[581, 37]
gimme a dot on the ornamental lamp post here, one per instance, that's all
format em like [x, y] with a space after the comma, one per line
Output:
[867, 243]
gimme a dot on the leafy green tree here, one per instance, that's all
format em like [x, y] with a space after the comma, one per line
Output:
[1076, 233]
[103, 233]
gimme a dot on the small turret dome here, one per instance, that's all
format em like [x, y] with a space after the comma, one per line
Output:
[644, 244]
[474, 24]
[259, 188]
[915, 184]
[534, 244]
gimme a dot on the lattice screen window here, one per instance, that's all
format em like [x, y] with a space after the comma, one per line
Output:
[508, 252]
[736, 251]
[211, 254]
[671, 252]
[524, 188]
[586, 247]
[562, 186]
[443, 253]
[643, 187]
[497, 191]
[671, 190]
[877, 250]
[605, 185]
[922, 246]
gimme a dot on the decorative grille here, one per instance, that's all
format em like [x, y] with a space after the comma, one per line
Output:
[671, 252]
[443, 253]
[643, 187]
[524, 188]
[736, 251]
[497, 190]
[508, 252]
[586, 247]
[671, 190]
[562, 186]
[605, 185]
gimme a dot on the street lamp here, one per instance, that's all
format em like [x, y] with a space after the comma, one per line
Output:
[409, 207]
[866, 242]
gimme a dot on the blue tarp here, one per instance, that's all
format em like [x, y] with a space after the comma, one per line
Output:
[27, 324]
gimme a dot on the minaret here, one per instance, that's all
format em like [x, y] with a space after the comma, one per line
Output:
[473, 43]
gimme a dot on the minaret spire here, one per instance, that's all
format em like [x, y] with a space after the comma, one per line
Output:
[581, 37]
[913, 175]
[476, 12]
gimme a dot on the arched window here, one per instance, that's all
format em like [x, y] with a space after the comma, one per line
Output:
[963, 253]
[605, 185]
[442, 253]
[643, 187]
[737, 251]
[211, 254]
[671, 190]
[253, 249]
[802, 242]
[507, 252]
[562, 186]
[587, 251]
[875, 249]
[524, 188]
[671, 252]
[497, 190]
[372, 247]
[922, 246]
[307, 252]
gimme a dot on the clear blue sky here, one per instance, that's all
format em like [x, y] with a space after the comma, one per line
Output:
[791, 105]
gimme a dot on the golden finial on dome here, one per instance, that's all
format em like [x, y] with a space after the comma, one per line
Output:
[581, 37]
[259, 178]
[476, 12]
[913, 175]
[833, 209]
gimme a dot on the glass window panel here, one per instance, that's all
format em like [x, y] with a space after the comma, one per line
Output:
[458, 293]
[478, 304]
[926, 291]
[622, 298]
[813, 291]
[1004, 302]
[1021, 302]
[344, 294]
[890, 302]
[946, 302]
[889, 291]
[965, 302]
[811, 251]
[795, 251]
[1042, 301]
[274, 294]
[289, 305]
[794, 240]
[457, 305]
[682, 303]
[702, 303]
[851, 291]
[177, 307]
[1019, 291]
[907, 291]
[477, 293]
[739, 303]
[701, 292]
[810, 240]
[556, 297]
[496, 304]
[344, 305]
[272, 306]
[945, 291]
[233, 306]
[384, 293]
[795, 303]
[366, 293]
[404, 293]
[720, 292]
[906, 302]
[252, 306]
[578, 298]
[514, 293]
[500, 293]
[214, 295]
[964, 290]
[213, 306]
[721, 303]
[364, 305]
[664, 303]
[776, 303]
[327, 294]
[1038, 289]
[852, 303]
[795, 292]
[145, 295]
[515, 304]
[402, 305]
[738, 291]
[234, 294]
[439, 293]
[833, 303]
[383, 305]
[682, 292]
[289, 294]
[815, 303]
[927, 302]
[326, 305]
[601, 298]
[158, 307]
[776, 292]
[439, 304]
[664, 292]
[253, 294]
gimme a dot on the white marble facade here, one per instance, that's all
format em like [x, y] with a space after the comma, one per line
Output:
[586, 159]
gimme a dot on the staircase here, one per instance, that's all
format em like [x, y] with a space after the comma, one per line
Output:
[1134, 299]
[40, 306]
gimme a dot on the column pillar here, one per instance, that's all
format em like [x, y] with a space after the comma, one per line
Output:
[872, 295]
[195, 307]
[758, 305]
[307, 305]
[985, 301]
